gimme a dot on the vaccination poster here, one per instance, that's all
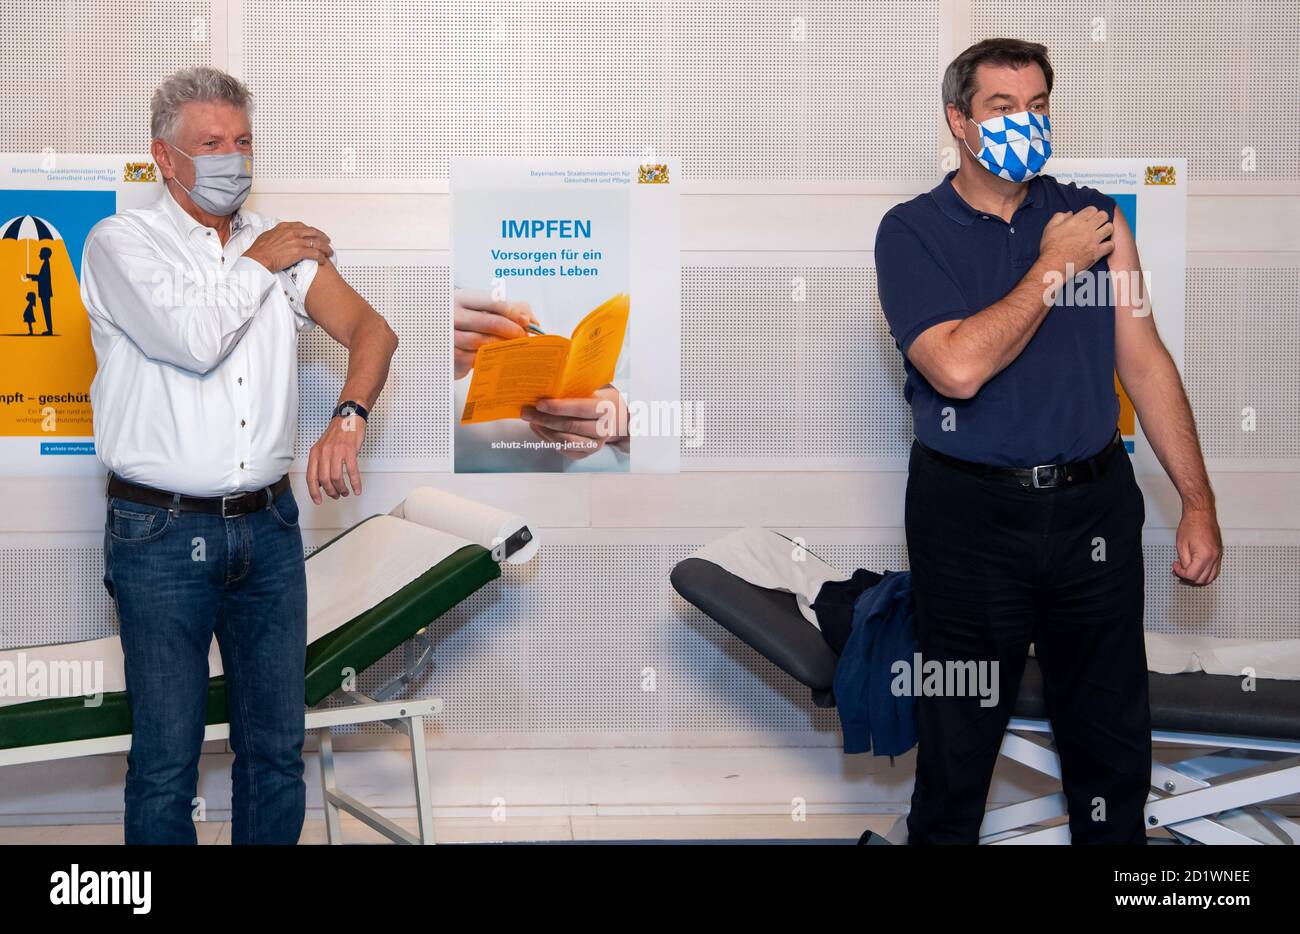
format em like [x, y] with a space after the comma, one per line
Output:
[1152, 193]
[565, 315]
[48, 203]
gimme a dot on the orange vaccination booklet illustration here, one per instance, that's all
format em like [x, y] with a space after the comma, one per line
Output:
[509, 375]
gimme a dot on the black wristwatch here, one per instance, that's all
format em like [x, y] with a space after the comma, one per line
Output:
[348, 407]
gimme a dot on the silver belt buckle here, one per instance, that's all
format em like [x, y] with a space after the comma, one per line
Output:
[1037, 485]
[225, 499]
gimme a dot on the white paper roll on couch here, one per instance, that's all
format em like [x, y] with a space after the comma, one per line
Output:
[465, 518]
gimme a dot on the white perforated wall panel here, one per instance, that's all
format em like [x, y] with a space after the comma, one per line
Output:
[560, 646]
[1203, 79]
[78, 74]
[807, 381]
[755, 89]
[1243, 352]
[812, 381]
[411, 420]
[563, 646]
[1255, 597]
[53, 594]
[557, 649]
[749, 101]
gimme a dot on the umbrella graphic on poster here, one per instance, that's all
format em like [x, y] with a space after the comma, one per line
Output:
[28, 227]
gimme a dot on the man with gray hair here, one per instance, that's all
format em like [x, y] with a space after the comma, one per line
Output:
[195, 307]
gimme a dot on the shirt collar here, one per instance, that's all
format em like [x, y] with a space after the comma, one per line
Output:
[186, 223]
[953, 205]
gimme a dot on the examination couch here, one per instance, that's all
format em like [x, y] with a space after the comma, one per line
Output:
[1239, 750]
[371, 589]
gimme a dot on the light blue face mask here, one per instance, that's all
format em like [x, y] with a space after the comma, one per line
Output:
[221, 181]
[1015, 146]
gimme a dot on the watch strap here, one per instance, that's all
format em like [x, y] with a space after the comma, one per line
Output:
[350, 407]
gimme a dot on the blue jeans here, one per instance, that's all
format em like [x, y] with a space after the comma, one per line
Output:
[178, 579]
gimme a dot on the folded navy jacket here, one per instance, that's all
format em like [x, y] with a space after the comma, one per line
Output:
[871, 714]
[835, 603]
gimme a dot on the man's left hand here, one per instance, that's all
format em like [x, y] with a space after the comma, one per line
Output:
[334, 455]
[1200, 547]
[582, 426]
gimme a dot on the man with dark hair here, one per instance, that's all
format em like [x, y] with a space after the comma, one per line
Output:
[1023, 516]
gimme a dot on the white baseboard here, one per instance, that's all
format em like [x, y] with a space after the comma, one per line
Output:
[533, 783]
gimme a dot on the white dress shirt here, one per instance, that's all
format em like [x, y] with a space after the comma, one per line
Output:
[197, 387]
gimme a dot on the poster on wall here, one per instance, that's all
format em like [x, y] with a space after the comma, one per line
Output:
[565, 315]
[1152, 194]
[48, 203]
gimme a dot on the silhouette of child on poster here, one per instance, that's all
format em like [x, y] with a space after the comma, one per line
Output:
[29, 314]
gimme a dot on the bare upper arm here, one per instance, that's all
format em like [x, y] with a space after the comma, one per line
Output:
[1137, 342]
[336, 306]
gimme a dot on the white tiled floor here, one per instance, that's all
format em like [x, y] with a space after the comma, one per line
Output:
[479, 830]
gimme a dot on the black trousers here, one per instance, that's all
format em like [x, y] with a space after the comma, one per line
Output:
[996, 567]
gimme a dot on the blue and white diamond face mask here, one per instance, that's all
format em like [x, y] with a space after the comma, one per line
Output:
[1015, 146]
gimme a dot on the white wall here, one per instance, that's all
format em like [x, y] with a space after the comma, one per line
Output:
[791, 152]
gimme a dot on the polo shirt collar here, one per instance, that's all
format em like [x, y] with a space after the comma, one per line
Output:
[956, 208]
[951, 203]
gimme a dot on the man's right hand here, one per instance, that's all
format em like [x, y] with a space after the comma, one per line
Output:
[288, 242]
[1076, 240]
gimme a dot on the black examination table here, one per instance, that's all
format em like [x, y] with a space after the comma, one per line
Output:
[1242, 748]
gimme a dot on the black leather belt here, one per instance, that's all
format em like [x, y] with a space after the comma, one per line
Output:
[1042, 477]
[228, 507]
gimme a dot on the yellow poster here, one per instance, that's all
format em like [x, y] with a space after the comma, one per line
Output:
[48, 362]
[47, 207]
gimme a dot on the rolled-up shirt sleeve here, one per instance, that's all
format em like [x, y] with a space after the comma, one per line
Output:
[916, 292]
[164, 309]
[296, 282]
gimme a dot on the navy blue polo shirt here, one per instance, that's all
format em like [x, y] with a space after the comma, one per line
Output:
[939, 259]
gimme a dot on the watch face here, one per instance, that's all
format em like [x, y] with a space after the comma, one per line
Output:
[347, 411]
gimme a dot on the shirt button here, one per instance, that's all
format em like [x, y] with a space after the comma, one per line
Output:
[240, 380]
[1013, 230]
[241, 465]
[986, 217]
[242, 423]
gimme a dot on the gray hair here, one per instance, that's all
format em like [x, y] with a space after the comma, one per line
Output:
[188, 85]
[959, 79]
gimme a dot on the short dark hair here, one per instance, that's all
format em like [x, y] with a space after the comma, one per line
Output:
[959, 79]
